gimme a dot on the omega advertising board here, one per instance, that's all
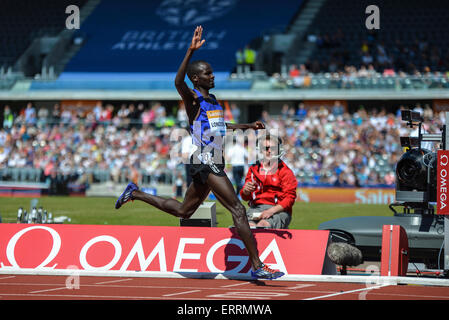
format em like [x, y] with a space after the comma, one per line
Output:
[442, 182]
[346, 195]
[98, 248]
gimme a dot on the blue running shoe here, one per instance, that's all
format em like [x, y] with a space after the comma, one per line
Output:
[263, 272]
[126, 195]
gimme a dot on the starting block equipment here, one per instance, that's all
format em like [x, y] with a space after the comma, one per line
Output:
[395, 251]
[204, 216]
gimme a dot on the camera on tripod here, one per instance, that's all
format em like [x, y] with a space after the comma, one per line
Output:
[416, 170]
[411, 116]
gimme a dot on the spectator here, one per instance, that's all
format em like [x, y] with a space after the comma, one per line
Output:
[239, 61]
[363, 72]
[337, 109]
[294, 71]
[187, 149]
[383, 60]
[285, 111]
[178, 186]
[365, 47]
[367, 59]
[42, 115]
[133, 116]
[181, 116]
[270, 187]
[66, 116]
[235, 111]
[237, 156]
[249, 56]
[56, 113]
[146, 118]
[106, 114]
[30, 114]
[123, 113]
[98, 109]
[8, 118]
[301, 113]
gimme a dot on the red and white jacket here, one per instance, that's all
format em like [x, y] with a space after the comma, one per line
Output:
[278, 188]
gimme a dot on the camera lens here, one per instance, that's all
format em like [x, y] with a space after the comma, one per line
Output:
[408, 170]
[411, 171]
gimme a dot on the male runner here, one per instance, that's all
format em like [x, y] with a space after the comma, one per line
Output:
[207, 126]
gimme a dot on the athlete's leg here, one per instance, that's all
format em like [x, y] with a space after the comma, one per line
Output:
[225, 193]
[195, 195]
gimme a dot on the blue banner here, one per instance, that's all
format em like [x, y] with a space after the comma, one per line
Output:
[153, 36]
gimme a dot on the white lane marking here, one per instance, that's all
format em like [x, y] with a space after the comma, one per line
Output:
[46, 290]
[84, 296]
[234, 285]
[113, 281]
[346, 292]
[179, 293]
[300, 286]
[261, 295]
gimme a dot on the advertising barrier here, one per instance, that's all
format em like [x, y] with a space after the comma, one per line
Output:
[183, 250]
[20, 191]
[442, 185]
[347, 195]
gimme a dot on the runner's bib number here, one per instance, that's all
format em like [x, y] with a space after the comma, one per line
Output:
[216, 122]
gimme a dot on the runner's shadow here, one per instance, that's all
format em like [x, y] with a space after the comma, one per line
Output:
[260, 283]
[235, 252]
[284, 234]
[236, 264]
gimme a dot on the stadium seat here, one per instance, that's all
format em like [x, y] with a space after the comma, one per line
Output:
[22, 21]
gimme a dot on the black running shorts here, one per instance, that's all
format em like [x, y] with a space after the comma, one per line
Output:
[200, 171]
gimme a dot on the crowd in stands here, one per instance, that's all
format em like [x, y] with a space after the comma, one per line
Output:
[349, 77]
[333, 147]
[323, 146]
[372, 59]
[401, 54]
[75, 144]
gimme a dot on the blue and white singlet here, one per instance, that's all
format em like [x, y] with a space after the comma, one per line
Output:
[209, 128]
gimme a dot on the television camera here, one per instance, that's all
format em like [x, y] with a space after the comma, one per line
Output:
[416, 170]
[419, 191]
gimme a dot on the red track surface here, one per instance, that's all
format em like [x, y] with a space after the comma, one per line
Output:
[27, 287]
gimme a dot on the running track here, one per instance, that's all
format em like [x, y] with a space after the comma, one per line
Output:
[41, 287]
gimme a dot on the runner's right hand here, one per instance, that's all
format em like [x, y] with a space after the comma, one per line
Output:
[196, 40]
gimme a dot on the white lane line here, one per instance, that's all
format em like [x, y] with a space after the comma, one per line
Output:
[84, 296]
[179, 293]
[300, 286]
[234, 285]
[3, 278]
[346, 292]
[121, 286]
[124, 285]
[113, 281]
[46, 290]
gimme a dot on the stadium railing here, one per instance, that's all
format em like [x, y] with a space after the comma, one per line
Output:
[336, 81]
[320, 81]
